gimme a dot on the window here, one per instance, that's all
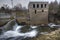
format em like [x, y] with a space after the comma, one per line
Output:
[42, 10]
[37, 5]
[41, 5]
[45, 5]
[35, 11]
[33, 5]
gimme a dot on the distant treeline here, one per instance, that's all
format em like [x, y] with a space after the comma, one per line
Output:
[54, 11]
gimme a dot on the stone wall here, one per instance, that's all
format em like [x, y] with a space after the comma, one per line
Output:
[41, 14]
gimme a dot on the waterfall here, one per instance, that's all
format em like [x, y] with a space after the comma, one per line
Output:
[16, 27]
[16, 32]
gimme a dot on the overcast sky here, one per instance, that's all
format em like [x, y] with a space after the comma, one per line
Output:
[23, 2]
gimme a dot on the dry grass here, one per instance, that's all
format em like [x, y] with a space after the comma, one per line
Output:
[54, 35]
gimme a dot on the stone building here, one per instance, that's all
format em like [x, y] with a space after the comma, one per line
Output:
[38, 12]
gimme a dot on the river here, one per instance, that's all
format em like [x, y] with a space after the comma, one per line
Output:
[16, 34]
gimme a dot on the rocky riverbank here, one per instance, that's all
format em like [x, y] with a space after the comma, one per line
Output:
[54, 35]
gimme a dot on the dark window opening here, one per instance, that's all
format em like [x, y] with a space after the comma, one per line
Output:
[41, 5]
[37, 5]
[42, 10]
[33, 5]
[45, 5]
[35, 11]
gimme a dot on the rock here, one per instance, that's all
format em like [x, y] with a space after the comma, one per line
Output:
[9, 25]
[54, 35]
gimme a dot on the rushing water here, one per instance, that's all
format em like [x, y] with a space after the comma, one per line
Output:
[15, 33]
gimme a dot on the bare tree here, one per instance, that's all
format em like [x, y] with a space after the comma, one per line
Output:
[18, 7]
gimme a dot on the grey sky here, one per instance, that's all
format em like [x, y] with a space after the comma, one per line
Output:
[23, 2]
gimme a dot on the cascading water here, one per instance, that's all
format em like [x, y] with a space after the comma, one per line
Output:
[16, 27]
[16, 32]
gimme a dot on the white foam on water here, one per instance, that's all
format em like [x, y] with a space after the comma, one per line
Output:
[33, 33]
[51, 25]
[8, 34]
[11, 34]
[17, 29]
[33, 27]
[15, 33]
